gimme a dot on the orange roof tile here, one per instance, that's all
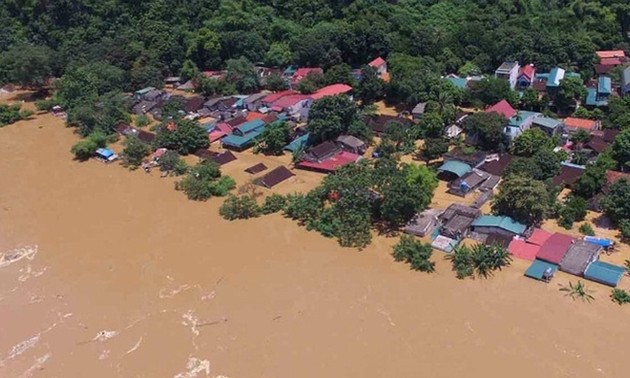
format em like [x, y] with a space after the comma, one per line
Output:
[580, 123]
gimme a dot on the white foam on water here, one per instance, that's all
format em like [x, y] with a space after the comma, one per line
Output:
[195, 367]
[23, 347]
[17, 254]
[30, 273]
[191, 320]
[135, 347]
[104, 335]
[36, 366]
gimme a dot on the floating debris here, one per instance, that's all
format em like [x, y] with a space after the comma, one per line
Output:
[104, 335]
[22, 347]
[15, 255]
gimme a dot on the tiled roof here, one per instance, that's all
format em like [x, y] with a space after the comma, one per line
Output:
[504, 108]
[611, 54]
[331, 90]
[527, 70]
[580, 123]
[377, 62]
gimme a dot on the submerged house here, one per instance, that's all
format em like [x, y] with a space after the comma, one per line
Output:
[379, 123]
[456, 220]
[498, 225]
[380, 65]
[326, 157]
[244, 135]
[579, 256]
[473, 180]
[423, 223]
[352, 144]
[453, 169]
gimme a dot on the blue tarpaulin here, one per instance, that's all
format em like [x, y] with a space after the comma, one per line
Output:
[605, 243]
[104, 153]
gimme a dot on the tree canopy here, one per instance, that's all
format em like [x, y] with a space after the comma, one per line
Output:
[521, 198]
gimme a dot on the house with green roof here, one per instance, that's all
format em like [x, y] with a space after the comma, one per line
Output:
[497, 225]
[453, 169]
[520, 122]
[550, 126]
[459, 82]
[241, 142]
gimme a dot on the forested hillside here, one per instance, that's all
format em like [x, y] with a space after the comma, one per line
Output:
[151, 39]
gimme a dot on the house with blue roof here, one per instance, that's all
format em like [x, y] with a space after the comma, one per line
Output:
[459, 82]
[554, 77]
[241, 142]
[453, 169]
[598, 96]
[297, 143]
[248, 127]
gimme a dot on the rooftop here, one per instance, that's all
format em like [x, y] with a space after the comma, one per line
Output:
[503, 222]
[332, 163]
[504, 108]
[547, 122]
[331, 90]
[377, 62]
[523, 250]
[580, 123]
[579, 255]
[527, 70]
[459, 82]
[555, 77]
[610, 54]
[554, 249]
[507, 66]
[458, 168]
[604, 85]
[592, 98]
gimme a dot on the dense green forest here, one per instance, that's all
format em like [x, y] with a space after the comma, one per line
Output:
[152, 39]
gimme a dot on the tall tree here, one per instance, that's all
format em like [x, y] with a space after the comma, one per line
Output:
[520, 198]
[243, 74]
[330, 117]
[371, 87]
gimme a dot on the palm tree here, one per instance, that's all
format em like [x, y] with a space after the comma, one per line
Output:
[578, 291]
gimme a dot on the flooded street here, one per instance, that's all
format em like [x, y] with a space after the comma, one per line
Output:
[119, 275]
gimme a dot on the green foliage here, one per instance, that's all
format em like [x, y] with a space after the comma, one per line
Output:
[273, 204]
[187, 137]
[340, 73]
[242, 74]
[142, 120]
[171, 162]
[544, 165]
[621, 150]
[311, 83]
[330, 117]
[204, 180]
[275, 83]
[461, 260]
[431, 125]
[134, 152]
[590, 182]
[520, 198]
[488, 129]
[433, 148]
[10, 114]
[28, 65]
[531, 141]
[616, 203]
[239, 207]
[486, 259]
[189, 71]
[414, 253]
[85, 148]
[619, 296]
[578, 291]
[491, 90]
[530, 100]
[273, 139]
[100, 114]
[45, 105]
[571, 91]
[278, 55]
[574, 210]
[371, 87]
[587, 229]
[580, 136]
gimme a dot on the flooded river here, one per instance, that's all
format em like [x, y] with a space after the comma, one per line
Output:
[111, 273]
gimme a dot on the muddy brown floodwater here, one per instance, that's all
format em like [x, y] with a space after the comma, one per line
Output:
[124, 277]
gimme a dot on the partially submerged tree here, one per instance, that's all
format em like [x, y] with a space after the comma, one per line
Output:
[414, 253]
[488, 130]
[531, 141]
[273, 139]
[578, 291]
[239, 207]
[204, 180]
[183, 136]
[330, 117]
[134, 152]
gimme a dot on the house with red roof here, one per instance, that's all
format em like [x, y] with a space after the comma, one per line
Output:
[331, 90]
[611, 54]
[327, 157]
[525, 76]
[302, 73]
[268, 100]
[291, 104]
[380, 65]
[219, 130]
[523, 250]
[504, 108]
[555, 248]
[573, 124]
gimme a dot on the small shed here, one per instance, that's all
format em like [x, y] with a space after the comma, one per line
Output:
[274, 177]
[105, 155]
[604, 273]
[256, 168]
[579, 256]
[351, 144]
[423, 223]
[502, 225]
[541, 270]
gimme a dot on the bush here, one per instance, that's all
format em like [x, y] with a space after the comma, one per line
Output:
[239, 207]
[86, 148]
[587, 229]
[26, 113]
[172, 162]
[415, 253]
[273, 204]
[620, 296]
[134, 152]
[488, 258]
[45, 105]
[204, 181]
[142, 120]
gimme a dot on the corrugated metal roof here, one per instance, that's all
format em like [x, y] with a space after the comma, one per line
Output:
[605, 273]
[625, 76]
[555, 76]
[456, 167]
[547, 122]
[297, 143]
[604, 85]
[538, 268]
[502, 222]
